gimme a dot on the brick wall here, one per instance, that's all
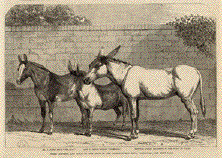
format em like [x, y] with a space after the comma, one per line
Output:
[150, 46]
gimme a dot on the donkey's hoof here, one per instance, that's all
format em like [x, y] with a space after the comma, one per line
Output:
[190, 136]
[50, 133]
[128, 138]
[122, 128]
[88, 134]
[41, 131]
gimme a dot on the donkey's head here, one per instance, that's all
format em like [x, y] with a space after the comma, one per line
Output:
[78, 76]
[98, 67]
[23, 69]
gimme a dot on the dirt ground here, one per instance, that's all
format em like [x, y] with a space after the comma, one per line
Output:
[152, 133]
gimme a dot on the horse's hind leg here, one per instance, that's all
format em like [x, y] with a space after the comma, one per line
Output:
[118, 114]
[191, 107]
[51, 106]
[43, 114]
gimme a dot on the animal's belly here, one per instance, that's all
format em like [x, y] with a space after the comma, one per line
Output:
[155, 91]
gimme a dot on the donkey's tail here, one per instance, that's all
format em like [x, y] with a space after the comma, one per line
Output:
[202, 104]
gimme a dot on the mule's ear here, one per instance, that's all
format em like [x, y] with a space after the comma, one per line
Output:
[25, 58]
[19, 58]
[114, 52]
[77, 69]
[70, 68]
[99, 54]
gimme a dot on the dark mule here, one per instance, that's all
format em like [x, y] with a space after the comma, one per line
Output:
[93, 96]
[140, 83]
[49, 87]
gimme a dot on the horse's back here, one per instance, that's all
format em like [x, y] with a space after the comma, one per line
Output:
[160, 82]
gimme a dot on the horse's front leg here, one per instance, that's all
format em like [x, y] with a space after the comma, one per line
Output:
[43, 114]
[51, 107]
[133, 117]
[137, 117]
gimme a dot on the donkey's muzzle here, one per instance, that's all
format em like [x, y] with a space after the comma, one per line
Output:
[86, 81]
[18, 81]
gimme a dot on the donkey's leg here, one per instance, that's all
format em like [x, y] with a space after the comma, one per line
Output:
[191, 107]
[118, 114]
[42, 104]
[83, 112]
[51, 107]
[89, 129]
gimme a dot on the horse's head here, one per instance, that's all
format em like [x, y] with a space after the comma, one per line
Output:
[98, 67]
[23, 69]
[78, 76]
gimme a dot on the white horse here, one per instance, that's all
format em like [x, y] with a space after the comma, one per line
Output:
[140, 83]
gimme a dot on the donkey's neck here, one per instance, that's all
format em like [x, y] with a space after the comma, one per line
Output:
[118, 71]
[40, 77]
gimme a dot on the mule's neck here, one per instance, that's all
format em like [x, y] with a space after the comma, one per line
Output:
[117, 71]
[40, 77]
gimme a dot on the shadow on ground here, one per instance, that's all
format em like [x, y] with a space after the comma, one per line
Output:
[177, 129]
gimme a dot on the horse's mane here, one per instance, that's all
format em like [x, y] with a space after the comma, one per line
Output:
[105, 58]
[119, 61]
[39, 66]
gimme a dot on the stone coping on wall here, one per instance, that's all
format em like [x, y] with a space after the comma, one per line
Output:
[88, 28]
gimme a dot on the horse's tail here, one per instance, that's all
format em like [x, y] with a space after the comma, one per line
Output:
[202, 105]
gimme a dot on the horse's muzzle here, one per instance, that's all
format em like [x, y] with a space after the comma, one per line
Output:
[86, 81]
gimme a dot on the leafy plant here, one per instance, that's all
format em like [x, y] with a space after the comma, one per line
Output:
[32, 15]
[197, 31]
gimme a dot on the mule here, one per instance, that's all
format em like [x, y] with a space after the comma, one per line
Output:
[48, 87]
[138, 83]
[93, 97]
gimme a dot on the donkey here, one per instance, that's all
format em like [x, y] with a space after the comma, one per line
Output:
[48, 87]
[93, 96]
[140, 83]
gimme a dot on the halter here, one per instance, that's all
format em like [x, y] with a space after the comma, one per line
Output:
[124, 79]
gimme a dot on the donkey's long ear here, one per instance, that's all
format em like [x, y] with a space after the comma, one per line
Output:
[77, 69]
[19, 58]
[114, 52]
[70, 68]
[25, 58]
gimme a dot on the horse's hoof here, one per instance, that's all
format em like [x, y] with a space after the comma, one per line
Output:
[137, 132]
[134, 136]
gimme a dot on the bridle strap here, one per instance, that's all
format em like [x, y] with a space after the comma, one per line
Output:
[124, 79]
